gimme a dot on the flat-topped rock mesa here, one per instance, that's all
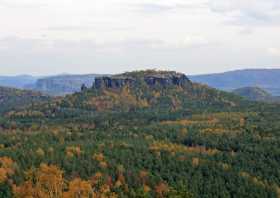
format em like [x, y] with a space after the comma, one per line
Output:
[151, 78]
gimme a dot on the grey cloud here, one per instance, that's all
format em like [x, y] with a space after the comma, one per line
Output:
[42, 56]
[249, 20]
[224, 6]
[242, 13]
[60, 56]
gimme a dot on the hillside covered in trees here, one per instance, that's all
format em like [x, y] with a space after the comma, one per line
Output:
[256, 94]
[141, 134]
[11, 98]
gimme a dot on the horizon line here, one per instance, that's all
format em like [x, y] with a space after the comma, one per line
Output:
[90, 73]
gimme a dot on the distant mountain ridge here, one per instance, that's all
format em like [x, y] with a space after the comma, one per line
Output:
[58, 85]
[267, 79]
[256, 94]
[20, 81]
[253, 93]
[63, 84]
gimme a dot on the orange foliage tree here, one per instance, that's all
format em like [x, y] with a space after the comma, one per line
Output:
[6, 168]
[79, 189]
[46, 181]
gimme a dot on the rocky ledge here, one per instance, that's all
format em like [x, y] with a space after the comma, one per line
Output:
[150, 77]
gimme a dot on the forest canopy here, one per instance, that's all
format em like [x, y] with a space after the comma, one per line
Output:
[141, 134]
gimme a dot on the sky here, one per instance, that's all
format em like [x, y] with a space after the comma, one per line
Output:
[42, 37]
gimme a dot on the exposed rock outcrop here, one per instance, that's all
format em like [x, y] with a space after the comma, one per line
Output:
[113, 82]
[151, 78]
[166, 80]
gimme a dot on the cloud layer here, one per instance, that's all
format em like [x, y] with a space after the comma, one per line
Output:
[196, 36]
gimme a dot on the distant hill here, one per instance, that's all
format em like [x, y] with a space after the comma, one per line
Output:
[253, 93]
[256, 94]
[63, 84]
[11, 99]
[20, 81]
[59, 85]
[267, 79]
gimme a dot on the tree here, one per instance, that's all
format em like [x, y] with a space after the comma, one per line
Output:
[46, 181]
[78, 189]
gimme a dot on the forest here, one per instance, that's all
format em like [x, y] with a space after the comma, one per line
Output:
[140, 134]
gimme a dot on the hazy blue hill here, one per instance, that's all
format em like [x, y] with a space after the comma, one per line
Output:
[267, 79]
[256, 94]
[53, 85]
[20, 81]
[63, 84]
[253, 93]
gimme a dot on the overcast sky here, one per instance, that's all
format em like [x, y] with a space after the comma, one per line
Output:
[110, 36]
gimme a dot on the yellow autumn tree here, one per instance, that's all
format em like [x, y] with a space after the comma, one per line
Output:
[44, 182]
[40, 152]
[6, 168]
[79, 189]
[50, 180]
[72, 151]
[3, 175]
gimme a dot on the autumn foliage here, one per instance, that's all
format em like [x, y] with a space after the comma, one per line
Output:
[6, 168]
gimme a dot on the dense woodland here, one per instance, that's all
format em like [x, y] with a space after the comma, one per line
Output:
[141, 140]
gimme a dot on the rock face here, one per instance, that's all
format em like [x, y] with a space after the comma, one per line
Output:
[167, 80]
[151, 78]
[113, 82]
